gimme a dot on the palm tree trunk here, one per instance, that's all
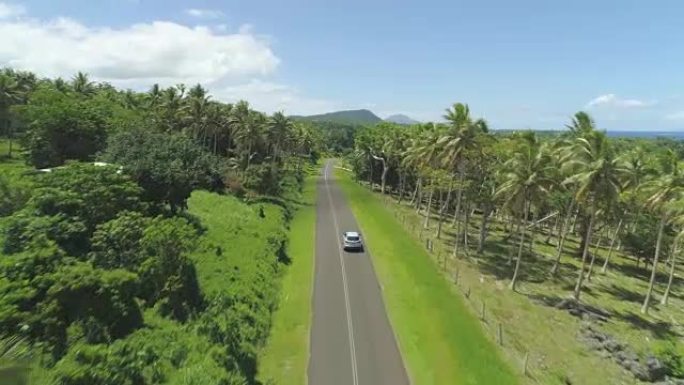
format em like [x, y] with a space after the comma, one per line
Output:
[483, 227]
[553, 229]
[10, 136]
[443, 209]
[370, 174]
[585, 251]
[563, 233]
[457, 213]
[594, 254]
[402, 181]
[520, 247]
[383, 176]
[466, 226]
[419, 198]
[632, 226]
[610, 249]
[428, 208]
[666, 295]
[533, 228]
[415, 193]
[574, 221]
[215, 143]
[249, 155]
[659, 240]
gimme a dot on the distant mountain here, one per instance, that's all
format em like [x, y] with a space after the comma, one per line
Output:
[401, 119]
[355, 117]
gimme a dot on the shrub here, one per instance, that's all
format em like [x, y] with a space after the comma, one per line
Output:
[263, 179]
[671, 359]
[63, 126]
[168, 167]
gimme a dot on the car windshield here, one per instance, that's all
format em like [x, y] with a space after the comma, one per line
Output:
[353, 238]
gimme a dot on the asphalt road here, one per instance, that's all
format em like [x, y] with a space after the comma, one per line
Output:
[351, 338]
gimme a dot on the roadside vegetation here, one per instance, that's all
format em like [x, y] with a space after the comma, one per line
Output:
[571, 239]
[440, 340]
[286, 355]
[144, 235]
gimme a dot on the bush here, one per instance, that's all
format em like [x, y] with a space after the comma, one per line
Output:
[68, 204]
[167, 275]
[116, 244]
[168, 167]
[672, 359]
[63, 126]
[263, 179]
[13, 196]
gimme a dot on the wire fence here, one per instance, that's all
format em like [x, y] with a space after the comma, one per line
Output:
[450, 266]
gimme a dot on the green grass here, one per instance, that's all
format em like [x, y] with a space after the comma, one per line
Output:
[235, 238]
[286, 355]
[531, 324]
[440, 340]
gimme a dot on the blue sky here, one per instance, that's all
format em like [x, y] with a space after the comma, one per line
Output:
[519, 64]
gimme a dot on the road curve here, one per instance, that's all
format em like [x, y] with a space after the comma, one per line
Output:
[352, 342]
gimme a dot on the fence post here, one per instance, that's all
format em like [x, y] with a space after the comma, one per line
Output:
[483, 311]
[527, 356]
[500, 334]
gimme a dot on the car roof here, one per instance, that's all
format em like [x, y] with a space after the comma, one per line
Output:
[351, 234]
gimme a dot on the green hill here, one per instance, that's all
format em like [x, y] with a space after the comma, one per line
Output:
[355, 117]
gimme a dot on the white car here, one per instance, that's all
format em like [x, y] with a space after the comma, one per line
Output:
[352, 241]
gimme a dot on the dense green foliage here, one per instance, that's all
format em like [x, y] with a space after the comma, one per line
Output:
[122, 271]
[168, 167]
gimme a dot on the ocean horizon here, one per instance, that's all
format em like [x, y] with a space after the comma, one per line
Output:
[624, 133]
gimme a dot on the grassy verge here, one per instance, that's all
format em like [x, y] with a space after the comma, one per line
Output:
[285, 357]
[441, 341]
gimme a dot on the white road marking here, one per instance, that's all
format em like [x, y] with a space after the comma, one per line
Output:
[350, 326]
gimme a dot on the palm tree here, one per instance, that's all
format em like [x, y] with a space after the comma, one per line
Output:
[279, 129]
[460, 138]
[154, 95]
[248, 130]
[196, 116]
[664, 194]
[525, 182]
[61, 85]
[81, 84]
[597, 177]
[636, 173]
[581, 126]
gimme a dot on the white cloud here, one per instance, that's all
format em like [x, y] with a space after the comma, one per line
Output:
[612, 100]
[232, 66]
[11, 10]
[270, 97]
[141, 54]
[675, 116]
[204, 13]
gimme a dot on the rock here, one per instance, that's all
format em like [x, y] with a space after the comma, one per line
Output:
[612, 346]
[639, 371]
[656, 369]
